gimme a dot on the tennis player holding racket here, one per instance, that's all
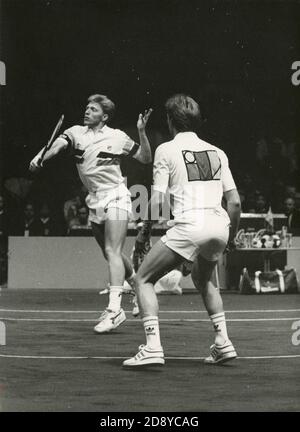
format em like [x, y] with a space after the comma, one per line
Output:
[98, 150]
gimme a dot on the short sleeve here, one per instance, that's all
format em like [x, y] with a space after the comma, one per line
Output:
[226, 176]
[69, 136]
[161, 172]
[129, 147]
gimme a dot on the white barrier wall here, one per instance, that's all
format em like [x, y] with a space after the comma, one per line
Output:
[77, 262]
[61, 262]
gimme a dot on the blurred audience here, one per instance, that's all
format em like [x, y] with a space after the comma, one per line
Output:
[80, 225]
[45, 224]
[261, 204]
[28, 225]
[72, 206]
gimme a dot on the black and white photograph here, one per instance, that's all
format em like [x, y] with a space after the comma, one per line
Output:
[149, 209]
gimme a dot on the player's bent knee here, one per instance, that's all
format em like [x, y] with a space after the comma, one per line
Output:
[113, 253]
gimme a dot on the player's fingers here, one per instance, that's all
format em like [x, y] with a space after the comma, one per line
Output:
[148, 113]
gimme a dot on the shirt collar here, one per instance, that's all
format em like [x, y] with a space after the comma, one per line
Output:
[97, 130]
[188, 134]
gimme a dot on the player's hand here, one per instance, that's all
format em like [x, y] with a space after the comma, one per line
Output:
[143, 119]
[35, 165]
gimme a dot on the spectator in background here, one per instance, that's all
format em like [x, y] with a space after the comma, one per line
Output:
[250, 204]
[45, 224]
[290, 191]
[247, 184]
[72, 205]
[81, 224]
[293, 215]
[28, 227]
[3, 242]
[260, 204]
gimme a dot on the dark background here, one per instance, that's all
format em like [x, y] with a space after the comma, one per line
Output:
[234, 57]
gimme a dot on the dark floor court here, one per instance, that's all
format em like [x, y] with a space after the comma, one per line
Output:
[52, 360]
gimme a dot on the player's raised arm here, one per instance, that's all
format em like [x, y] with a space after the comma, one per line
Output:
[144, 154]
[59, 144]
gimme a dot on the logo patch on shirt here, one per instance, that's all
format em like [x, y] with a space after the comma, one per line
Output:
[203, 165]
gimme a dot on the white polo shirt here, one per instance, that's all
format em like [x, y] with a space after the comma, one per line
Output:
[98, 153]
[195, 173]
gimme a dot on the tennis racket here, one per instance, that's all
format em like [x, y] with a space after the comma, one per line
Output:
[52, 139]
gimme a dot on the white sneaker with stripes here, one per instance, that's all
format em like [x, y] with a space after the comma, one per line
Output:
[110, 320]
[146, 356]
[221, 353]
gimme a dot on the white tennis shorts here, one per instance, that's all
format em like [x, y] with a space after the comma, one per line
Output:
[117, 198]
[208, 237]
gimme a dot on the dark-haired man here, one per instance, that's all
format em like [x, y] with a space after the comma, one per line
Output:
[197, 176]
[98, 150]
[293, 215]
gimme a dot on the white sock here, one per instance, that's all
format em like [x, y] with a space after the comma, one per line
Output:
[130, 279]
[115, 298]
[219, 323]
[151, 327]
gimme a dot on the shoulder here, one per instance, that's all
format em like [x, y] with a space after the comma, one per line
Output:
[115, 132]
[76, 130]
[164, 149]
[220, 152]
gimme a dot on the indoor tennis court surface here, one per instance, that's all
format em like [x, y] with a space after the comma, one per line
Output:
[52, 360]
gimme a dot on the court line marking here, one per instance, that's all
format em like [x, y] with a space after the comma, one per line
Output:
[161, 319]
[162, 311]
[287, 356]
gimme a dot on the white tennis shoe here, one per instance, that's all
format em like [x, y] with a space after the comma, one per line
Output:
[110, 320]
[146, 356]
[221, 353]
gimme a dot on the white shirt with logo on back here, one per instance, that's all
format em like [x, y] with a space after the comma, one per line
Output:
[195, 173]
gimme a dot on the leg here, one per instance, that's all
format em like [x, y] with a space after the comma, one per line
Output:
[111, 240]
[223, 349]
[159, 260]
[201, 274]
[115, 234]
[98, 231]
